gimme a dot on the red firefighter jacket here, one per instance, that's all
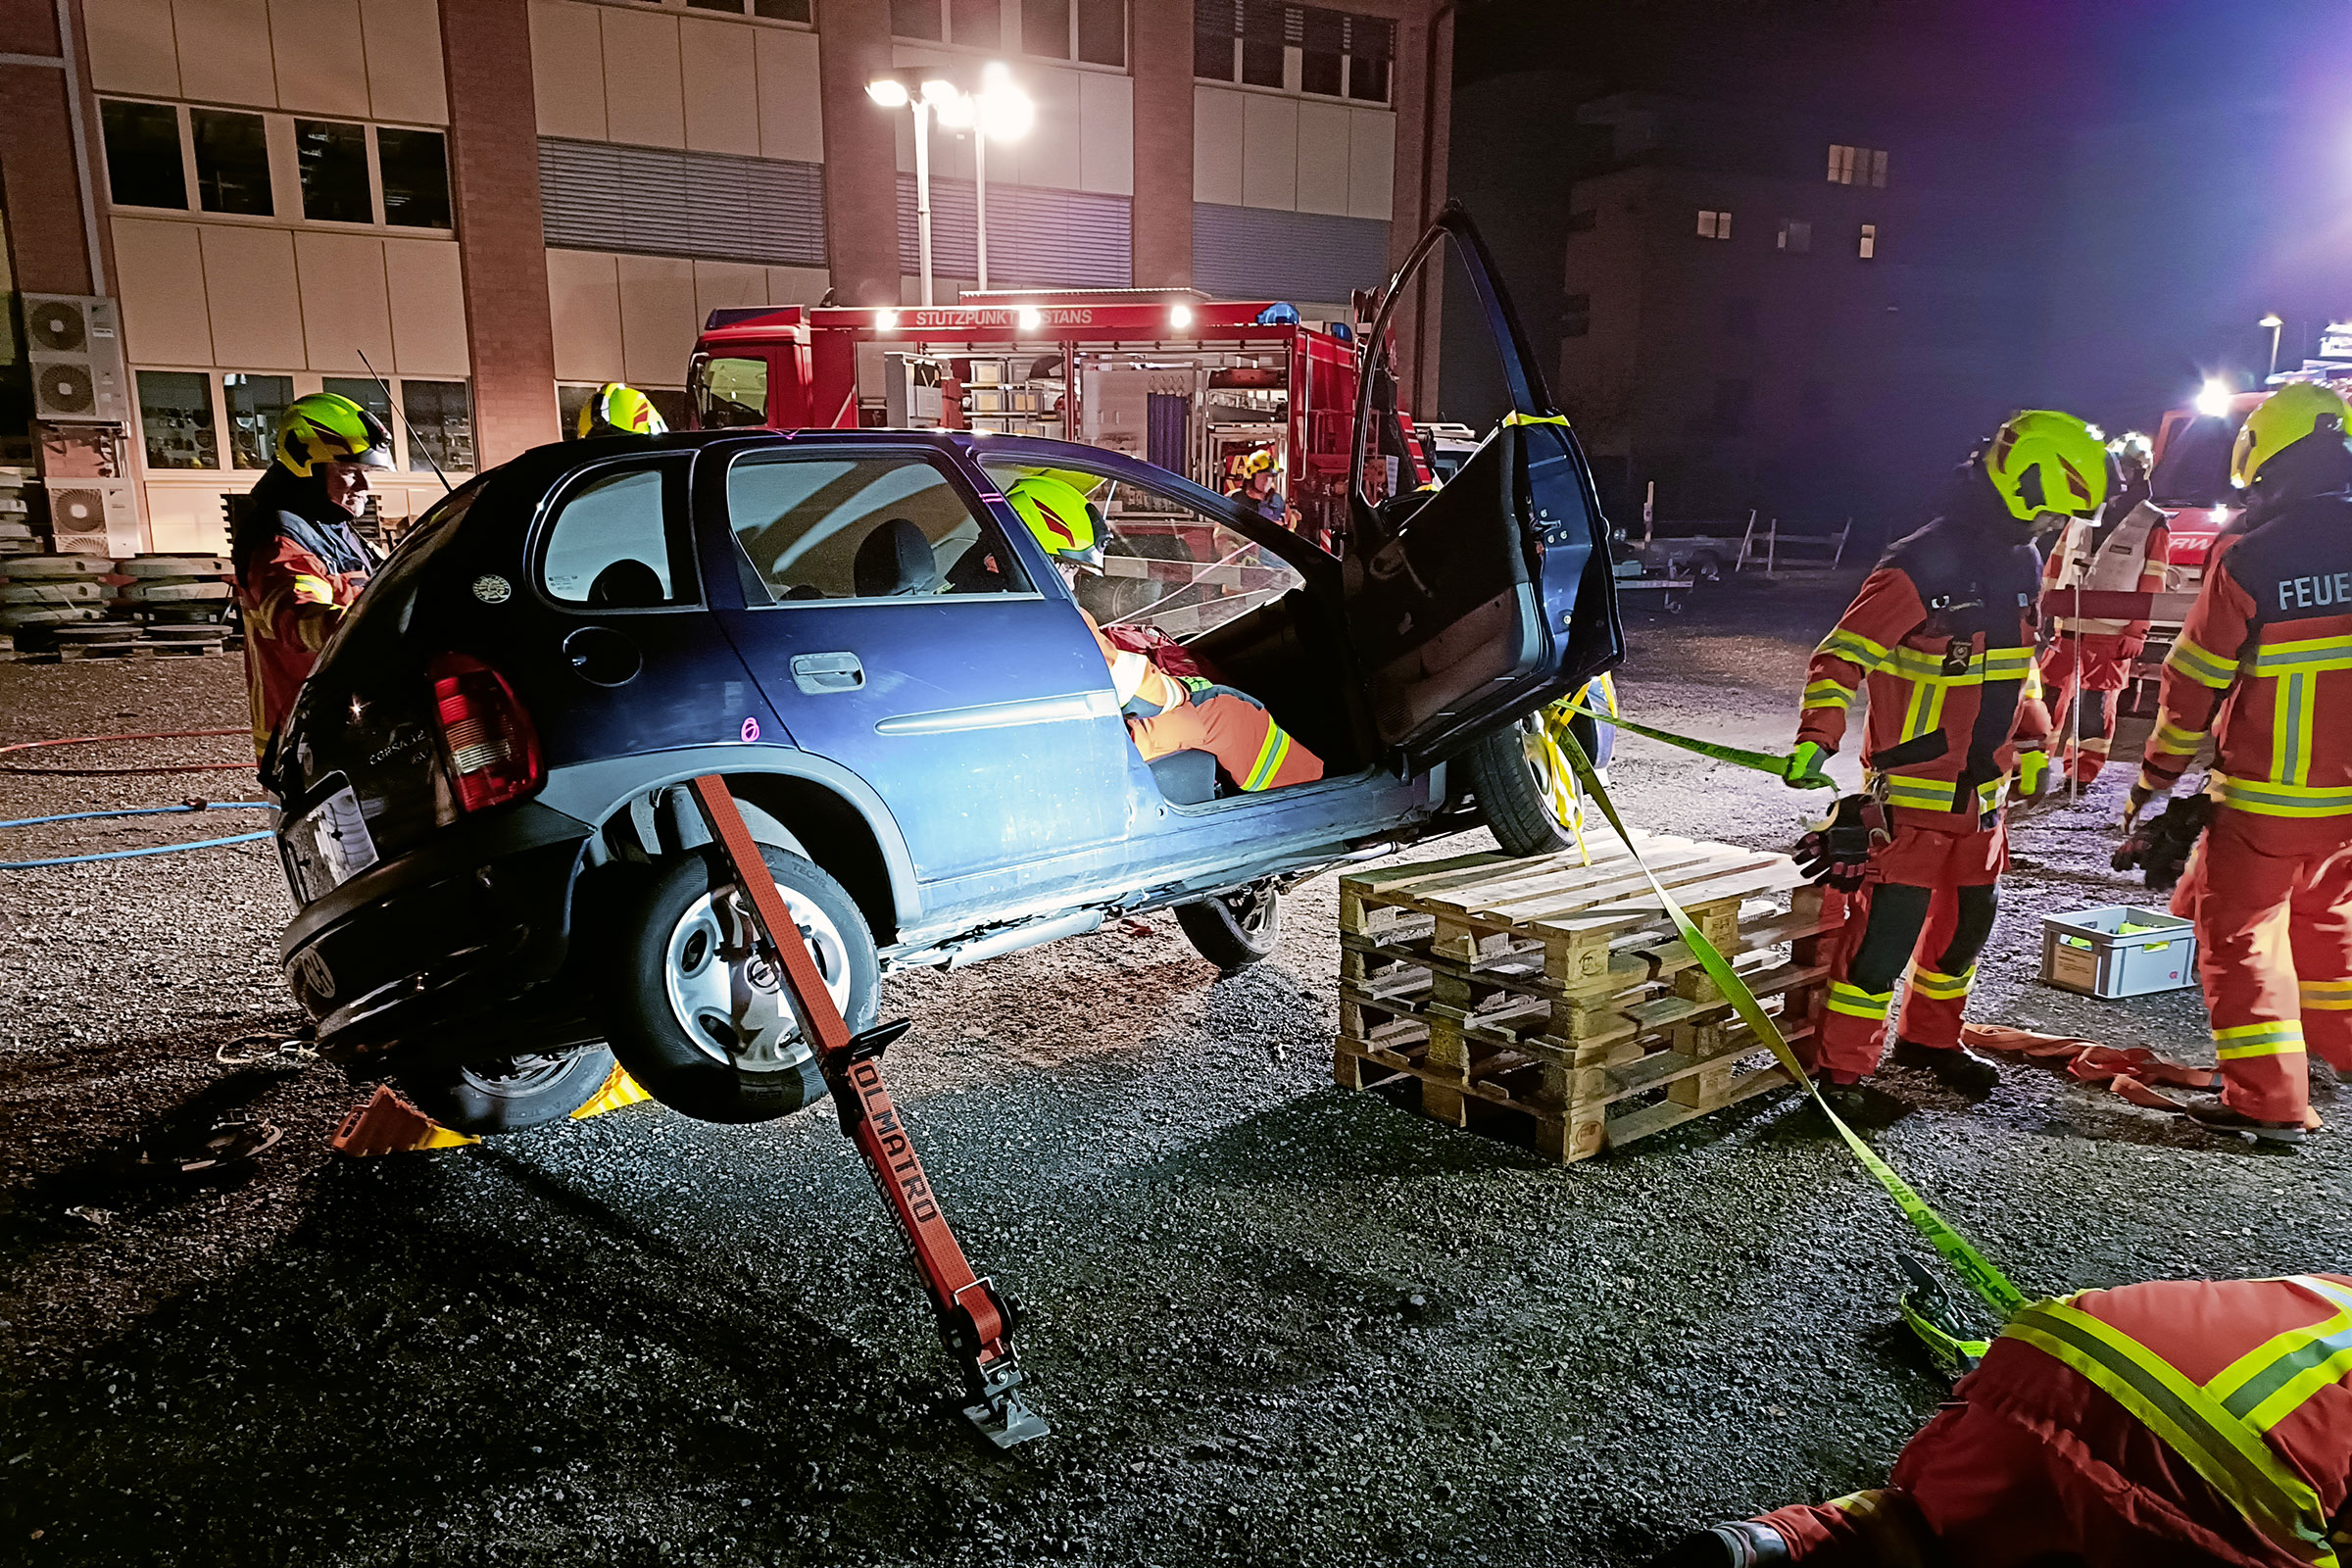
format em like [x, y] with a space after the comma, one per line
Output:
[291, 601]
[2265, 663]
[1941, 635]
[2217, 1409]
[2093, 568]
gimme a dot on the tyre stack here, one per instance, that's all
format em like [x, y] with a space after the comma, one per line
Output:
[179, 600]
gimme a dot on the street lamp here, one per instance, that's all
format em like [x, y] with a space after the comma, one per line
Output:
[2271, 321]
[999, 112]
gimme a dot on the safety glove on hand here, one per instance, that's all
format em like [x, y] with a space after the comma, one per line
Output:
[2137, 800]
[2159, 848]
[1805, 771]
[2033, 772]
[1837, 852]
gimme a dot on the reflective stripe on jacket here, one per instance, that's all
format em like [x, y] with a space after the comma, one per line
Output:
[2241, 1379]
[2264, 662]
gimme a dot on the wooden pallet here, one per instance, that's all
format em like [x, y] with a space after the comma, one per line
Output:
[136, 647]
[1560, 993]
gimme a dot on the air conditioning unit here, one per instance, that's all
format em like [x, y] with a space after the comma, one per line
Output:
[75, 346]
[93, 518]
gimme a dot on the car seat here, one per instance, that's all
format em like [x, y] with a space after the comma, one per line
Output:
[626, 584]
[894, 561]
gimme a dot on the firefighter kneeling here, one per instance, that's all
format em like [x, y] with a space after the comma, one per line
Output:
[1942, 632]
[2184, 1421]
[2265, 661]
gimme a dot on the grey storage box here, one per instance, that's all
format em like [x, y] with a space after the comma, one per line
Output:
[2119, 951]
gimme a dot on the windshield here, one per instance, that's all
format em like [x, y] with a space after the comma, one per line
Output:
[729, 393]
[2194, 470]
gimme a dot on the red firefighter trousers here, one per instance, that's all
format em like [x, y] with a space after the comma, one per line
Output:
[2272, 899]
[2089, 669]
[1928, 906]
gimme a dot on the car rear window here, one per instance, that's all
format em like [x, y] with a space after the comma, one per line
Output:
[617, 542]
[811, 526]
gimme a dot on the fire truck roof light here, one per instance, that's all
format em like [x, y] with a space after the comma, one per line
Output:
[1180, 318]
[886, 321]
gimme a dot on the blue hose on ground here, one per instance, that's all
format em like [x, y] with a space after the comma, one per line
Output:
[125, 854]
[144, 810]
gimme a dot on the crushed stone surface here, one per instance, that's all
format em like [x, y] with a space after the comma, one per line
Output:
[1271, 1321]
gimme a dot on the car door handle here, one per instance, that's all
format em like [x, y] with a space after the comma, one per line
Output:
[820, 674]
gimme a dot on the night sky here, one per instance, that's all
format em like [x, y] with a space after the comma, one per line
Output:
[2147, 179]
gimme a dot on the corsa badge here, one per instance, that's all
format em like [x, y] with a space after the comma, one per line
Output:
[492, 589]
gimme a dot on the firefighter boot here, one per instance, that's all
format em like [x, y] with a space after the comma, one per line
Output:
[2208, 1112]
[1955, 1066]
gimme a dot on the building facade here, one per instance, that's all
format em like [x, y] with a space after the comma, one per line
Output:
[467, 213]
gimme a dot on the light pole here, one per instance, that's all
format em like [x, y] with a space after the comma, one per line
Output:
[1001, 112]
[2270, 320]
[895, 91]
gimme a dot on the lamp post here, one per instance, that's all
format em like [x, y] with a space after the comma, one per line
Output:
[2270, 320]
[999, 110]
[924, 95]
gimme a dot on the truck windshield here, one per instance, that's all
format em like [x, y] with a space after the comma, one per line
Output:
[2195, 467]
[731, 394]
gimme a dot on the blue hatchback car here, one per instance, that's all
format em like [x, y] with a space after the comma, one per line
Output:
[499, 874]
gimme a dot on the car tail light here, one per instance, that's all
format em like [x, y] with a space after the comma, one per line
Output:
[492, 749]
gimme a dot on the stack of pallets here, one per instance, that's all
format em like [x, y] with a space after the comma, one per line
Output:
[1554, 998]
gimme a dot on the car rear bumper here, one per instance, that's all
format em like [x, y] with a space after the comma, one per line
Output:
[446, 951]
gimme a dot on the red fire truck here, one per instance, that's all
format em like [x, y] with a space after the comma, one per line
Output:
[1190, 384]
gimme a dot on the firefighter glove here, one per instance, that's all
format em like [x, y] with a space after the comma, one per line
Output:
[2033, 769]
[1837, 851]
[1804, 769]
[2137, 800]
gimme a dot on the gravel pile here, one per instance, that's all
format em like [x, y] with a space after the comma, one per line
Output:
[1272, 1322]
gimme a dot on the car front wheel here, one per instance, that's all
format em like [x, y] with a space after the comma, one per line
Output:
[1525, 787]
[1235, 930]
[509, 1094]
[698, 1017]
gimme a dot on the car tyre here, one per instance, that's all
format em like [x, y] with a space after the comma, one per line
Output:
[1516, 793]
[667, 1013]
[1235, 930]
[507, 1095]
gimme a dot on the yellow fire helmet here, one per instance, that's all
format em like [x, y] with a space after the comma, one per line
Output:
[616, 409]
[2042, 461]
[2279, 421]
[1259, 462]
[1062, 521]
[329, 428]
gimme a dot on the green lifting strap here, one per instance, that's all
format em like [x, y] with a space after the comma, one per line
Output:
[1761, 762]
[1991, 1286]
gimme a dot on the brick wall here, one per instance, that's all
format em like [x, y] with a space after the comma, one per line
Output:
[1161, 51]
[494, 181]
[861, 171]
[47, 228]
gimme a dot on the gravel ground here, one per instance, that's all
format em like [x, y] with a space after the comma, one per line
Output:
[1271, 1321]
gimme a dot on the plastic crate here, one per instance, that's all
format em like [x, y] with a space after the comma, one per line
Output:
[2120, 950]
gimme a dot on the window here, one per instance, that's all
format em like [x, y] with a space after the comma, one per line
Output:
[772, 10]
[334, 159]
[1740, 318]
[1870, 241]
[1264, 30]
[1166, 566]
[730, 394]
[1371, 45]
[977, 24]
[1216, 26]
[175, 414]
[914, 18]
[1046, 29]
[1714, 224]
[142, 153]
[1857, 165]
[253, 404]
[812, 527]
[232, 162]
[612, 546]
[1323, 54]
[440, 417]
[414, 165]
[1796, 236]
[365, 390]
[1103, 31]
[1338, 54]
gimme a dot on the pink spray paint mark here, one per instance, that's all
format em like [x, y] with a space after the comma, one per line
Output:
[751, 729]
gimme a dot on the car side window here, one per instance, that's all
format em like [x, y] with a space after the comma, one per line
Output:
[618, 542]
[1166, 565]
[813, 527]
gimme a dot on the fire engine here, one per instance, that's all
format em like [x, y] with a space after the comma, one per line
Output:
[1190, 384]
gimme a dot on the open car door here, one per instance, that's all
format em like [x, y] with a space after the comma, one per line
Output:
[1474, 604]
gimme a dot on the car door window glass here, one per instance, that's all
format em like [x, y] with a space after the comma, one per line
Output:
[615, 544]
[810, 528]
[1167, 565]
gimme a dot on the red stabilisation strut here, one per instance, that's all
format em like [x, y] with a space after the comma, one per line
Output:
[975, 1322]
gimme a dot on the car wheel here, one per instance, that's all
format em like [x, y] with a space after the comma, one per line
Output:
[509, 1094]
[1234, 930]
[1525, 787]
[697, 1018]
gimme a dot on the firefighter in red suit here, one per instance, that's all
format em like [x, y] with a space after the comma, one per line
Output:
[2264, 662]
[2179, 1422]
[299, 564]
[2097, 632]
[1942, 636]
